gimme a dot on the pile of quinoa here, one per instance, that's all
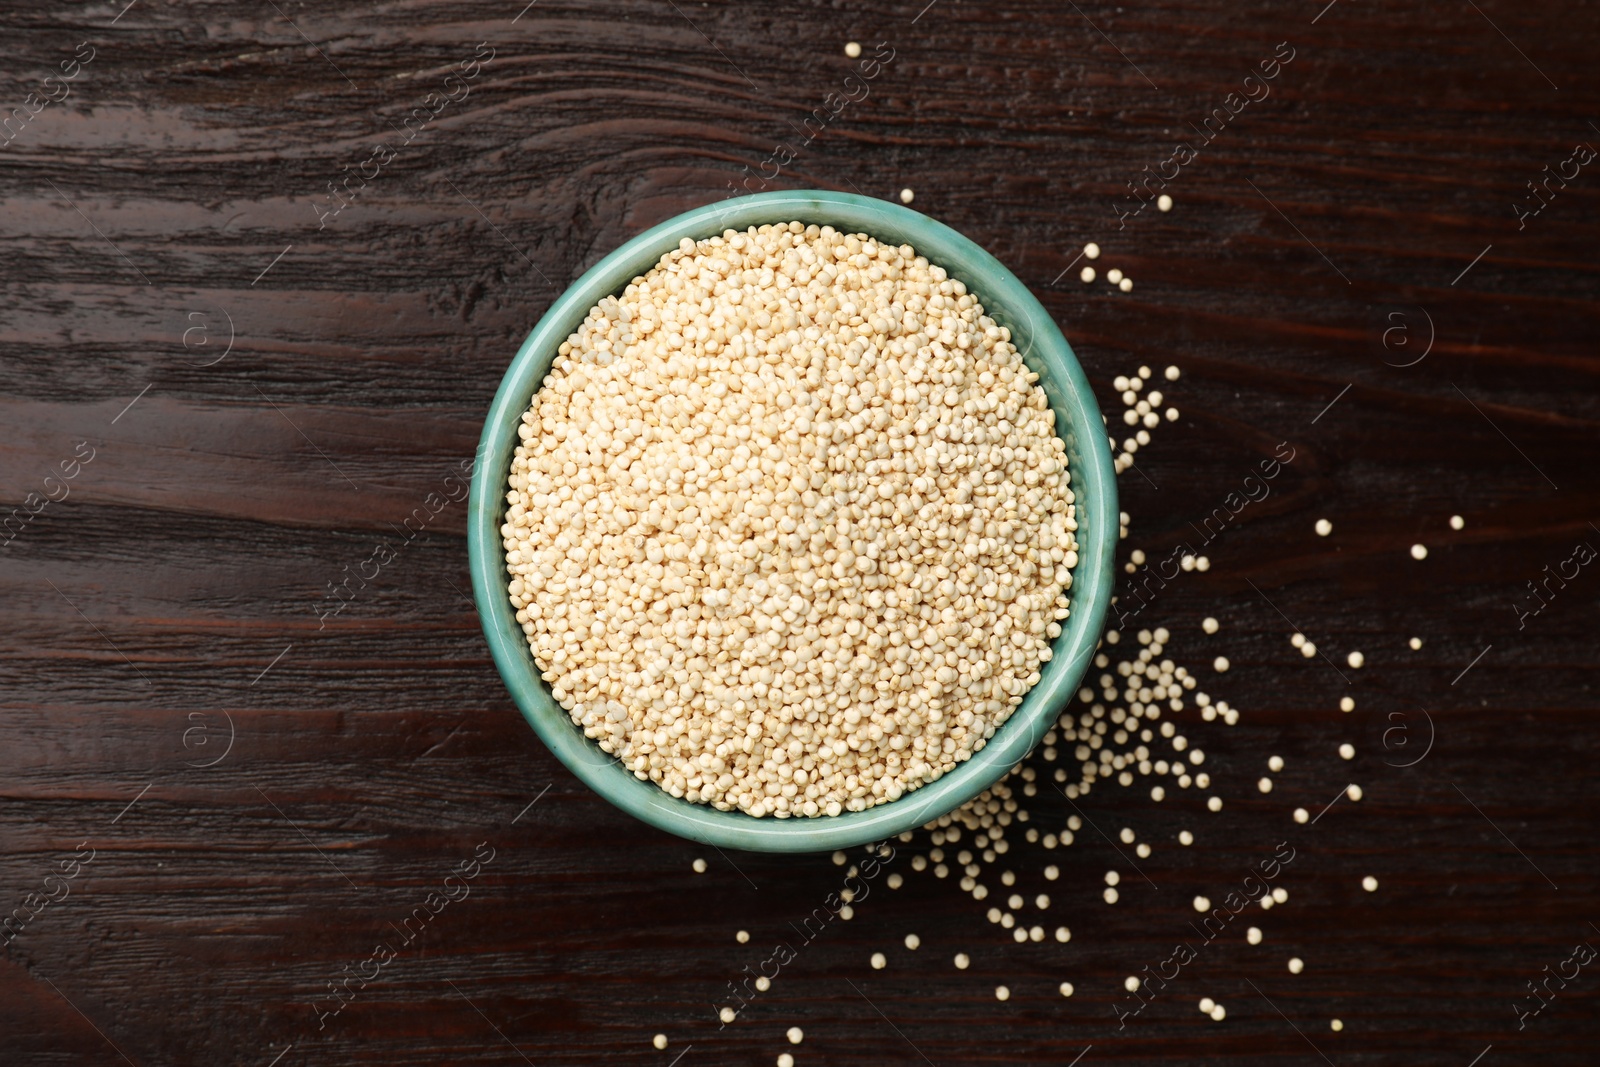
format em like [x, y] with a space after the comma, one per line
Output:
[789, 528]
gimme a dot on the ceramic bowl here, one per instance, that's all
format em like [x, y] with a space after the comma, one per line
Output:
[1078, 421]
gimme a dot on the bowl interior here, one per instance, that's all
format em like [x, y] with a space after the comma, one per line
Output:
[1078, 422]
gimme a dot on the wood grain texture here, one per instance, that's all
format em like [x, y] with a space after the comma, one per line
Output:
[269, 790]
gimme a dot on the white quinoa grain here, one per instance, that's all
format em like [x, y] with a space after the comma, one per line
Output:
[1002, 993]
[1214, 804]
[1202, 903]
[1219, 1013]
[1301, 815]
[879, 961]
[1419, 551]
[1220, 664]
[1353, 792]
[1253, 935]
[1336, 1025]
[963, 961]
[852, 49]
[727, 1015]
[785, 1060]
[659, 1041]
[743, 937]
[1091, 250]
[747, 501]
[907, 195]
[699, 866]
[1086, 275]
[1063, 935]
[1355, 659]
[1113, 275]
[1130, 983]
[1457, 522]
[1110, 895]
[1126, 285]
[1274, 764]
[796, 1035]
[1347, 751]
[1209, 625]
[895, 880]
[1324, 527]
[1206, 1004]
[1415, 643]
[1280, 895]
[1370, 884]
[1347, 704]
[1066, 989]
[913, 942]
[1265, 785]
[1296, 965]
[1163, 202]
[1185, 837]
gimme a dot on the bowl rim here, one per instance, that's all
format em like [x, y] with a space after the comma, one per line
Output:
[1093, 482]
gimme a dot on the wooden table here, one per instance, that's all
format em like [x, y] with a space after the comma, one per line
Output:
[251, 389]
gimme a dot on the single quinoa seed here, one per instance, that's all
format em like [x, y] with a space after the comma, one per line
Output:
[852, 49]
[789, 528]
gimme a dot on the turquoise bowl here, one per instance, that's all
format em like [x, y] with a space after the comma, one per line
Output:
[1078, 421]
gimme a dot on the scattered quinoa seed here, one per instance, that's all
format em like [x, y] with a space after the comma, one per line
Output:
[1353, 792]
[852, 49]
[1419, 551]
[907, 195]
[1347, 704]
[796, 1035]
[1066, 989]
[1253, 935]
[699, 866]
[913, 942]
[743, 936]
[1063, 935]
[1002, 993]
[1370, 884]
[1185, 837]
[785, 1060]
[1113, 275]
[1336, 1025]
[1086, 275]
[1347, 751]
[1301, 815]
[879, 961]
[1275, 764]
[1265, 785]
[1164, 202]
[1219, 1013]
[1202, 903]
[1220, 664]
[1091, 250]
[1209, 625]
[1206, 1004]
[727, 1015]
[659, 1041]
[1456, 523]
[963, 961]
[1214, 804]
[1415, 643]
[1126, 285]
[1324, 527]
[1296, 965]
[1355, 659]
[1130, 983]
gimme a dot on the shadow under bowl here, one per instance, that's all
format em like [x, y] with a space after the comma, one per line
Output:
[1078, 423]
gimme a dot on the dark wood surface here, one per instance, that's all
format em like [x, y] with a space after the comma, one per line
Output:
[265, 791]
